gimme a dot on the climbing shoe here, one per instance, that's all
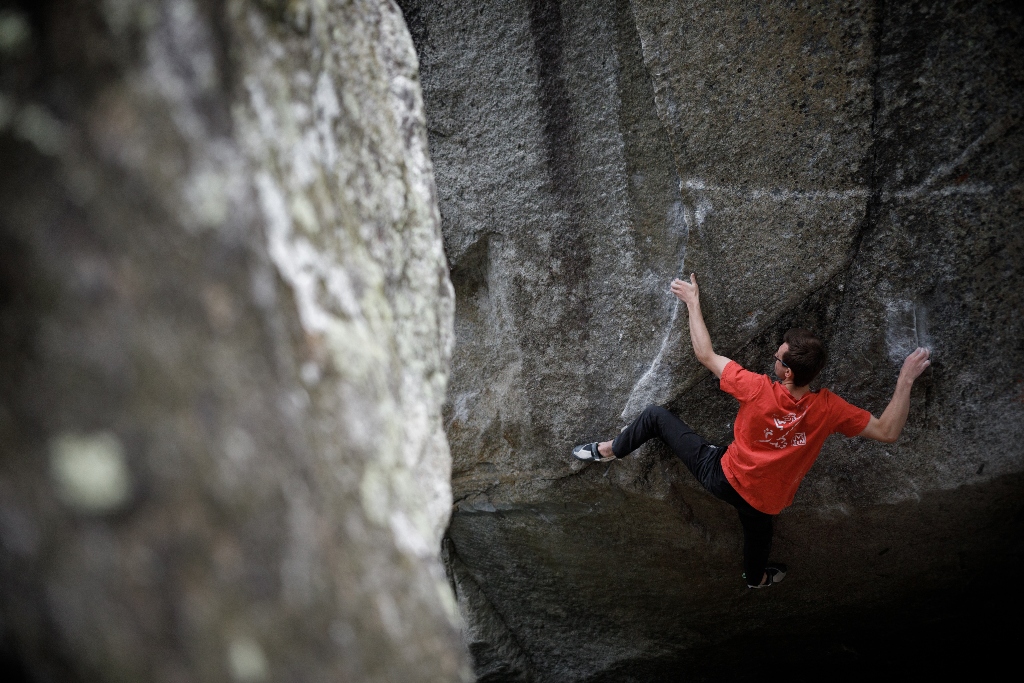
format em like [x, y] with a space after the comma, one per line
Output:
[776, 573]
[588, 452]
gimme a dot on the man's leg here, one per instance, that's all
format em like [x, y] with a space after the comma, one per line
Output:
[704, 460]
[655, 421]
[757, 525]
[757, 543]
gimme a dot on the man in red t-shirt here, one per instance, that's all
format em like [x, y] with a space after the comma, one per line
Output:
[778, 433]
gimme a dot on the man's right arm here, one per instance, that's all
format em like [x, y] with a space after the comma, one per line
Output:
[689, 294]
[888, 427]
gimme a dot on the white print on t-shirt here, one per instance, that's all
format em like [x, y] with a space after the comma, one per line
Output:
[784, 423]
[787, 419]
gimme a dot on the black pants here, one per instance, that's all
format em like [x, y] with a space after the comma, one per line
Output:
[705, 461]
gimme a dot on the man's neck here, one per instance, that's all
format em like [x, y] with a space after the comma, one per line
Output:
[795, 391]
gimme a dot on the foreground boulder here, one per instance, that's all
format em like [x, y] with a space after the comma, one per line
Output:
[225, 329]
[850, 167]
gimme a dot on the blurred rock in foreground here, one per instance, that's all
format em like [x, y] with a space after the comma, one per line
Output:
[225, 329]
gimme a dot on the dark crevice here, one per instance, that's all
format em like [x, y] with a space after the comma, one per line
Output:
[874, 185]
[559, 126]
[874, 199]
[626, 14]
[647, 144]
[546, 27]
[569, 242]
[471, 270]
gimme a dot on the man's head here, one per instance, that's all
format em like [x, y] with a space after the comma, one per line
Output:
[802, 354]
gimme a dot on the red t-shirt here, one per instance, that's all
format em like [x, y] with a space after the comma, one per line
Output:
[778, 438]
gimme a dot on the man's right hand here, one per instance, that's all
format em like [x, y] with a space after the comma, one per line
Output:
[915, 364]
[888, 427]
[687, 292]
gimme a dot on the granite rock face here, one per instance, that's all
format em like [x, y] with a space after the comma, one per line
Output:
[853, 167]
[225, 332]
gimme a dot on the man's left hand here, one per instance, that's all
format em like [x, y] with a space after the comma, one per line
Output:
[687, 292]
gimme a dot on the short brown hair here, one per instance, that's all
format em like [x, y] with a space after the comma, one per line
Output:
[806, 355]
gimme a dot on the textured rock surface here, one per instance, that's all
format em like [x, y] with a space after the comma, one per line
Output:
[225, 329]
[854, 167]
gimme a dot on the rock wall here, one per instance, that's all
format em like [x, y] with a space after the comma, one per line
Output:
[225, 332]
[854, 167]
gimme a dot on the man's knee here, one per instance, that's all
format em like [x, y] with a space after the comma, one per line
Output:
[756, 522]
[653, 411]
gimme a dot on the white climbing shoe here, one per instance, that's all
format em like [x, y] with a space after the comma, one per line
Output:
[588, 452]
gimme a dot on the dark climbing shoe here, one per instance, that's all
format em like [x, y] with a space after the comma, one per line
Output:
[776, 573]
[588, 452]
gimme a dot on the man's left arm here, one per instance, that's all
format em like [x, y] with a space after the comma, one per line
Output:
[888, 427]
[689, 294]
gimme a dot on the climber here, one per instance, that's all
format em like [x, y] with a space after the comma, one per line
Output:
[778, 432]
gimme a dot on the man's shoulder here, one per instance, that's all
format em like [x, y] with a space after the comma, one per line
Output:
[834, 402]
[742, 383]
[829, 395]
[824, 397]
[734, 366]
[843, 416]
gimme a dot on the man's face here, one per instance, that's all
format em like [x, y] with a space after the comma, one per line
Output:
[779, 369]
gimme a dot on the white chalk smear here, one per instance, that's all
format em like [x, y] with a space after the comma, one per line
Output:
[906, 329]
[942, 170]
[653, 382]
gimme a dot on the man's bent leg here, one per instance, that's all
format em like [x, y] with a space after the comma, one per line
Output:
[655, 421]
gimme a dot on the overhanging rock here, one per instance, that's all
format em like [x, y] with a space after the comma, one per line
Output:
[850, 167]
